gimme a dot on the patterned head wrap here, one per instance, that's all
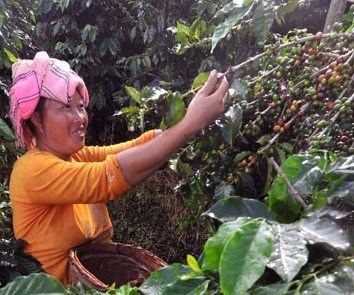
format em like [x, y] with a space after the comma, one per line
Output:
[41, 77]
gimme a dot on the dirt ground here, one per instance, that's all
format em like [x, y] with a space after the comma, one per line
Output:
[153, 216]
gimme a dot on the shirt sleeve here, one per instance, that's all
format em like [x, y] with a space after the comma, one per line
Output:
[99, 153]
[52, 181]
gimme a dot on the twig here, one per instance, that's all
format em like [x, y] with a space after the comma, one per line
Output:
[264, 75]
[281, 174]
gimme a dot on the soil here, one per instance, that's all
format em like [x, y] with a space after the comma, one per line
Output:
[154, 217]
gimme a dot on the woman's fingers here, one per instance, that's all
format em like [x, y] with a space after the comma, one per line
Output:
[209, 86]
[223, 87]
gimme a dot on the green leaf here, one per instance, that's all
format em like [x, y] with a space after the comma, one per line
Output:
[10, 55]
[85, 32]
[341, 276]
[122, 290]
[223, 190]
[273, 289]
[57, 27]
[228, 8]
[223, 28]
[344, 191]
[193, 263]
[128, 111]
[200, 79]
[304, 172]
[286, 8]
[238, 90]
[133, 93]
[5, 131]
[201, 289]
[160, 279]
[231, 124]
[286, 147]
[152, 93]
[343, 166]
[113, 45]
[321, 288]
[290, 253]
[264, 139]
[36, 283]
[263, 19]
[215, 245]
[245, 256]
[63, 4]
[196, 29]
[92, 34]
[194, 286]
[178, 166]
[17, 41]
[147, 62]
[182, 31]
[324, 230]
[175, 109]
[184, 168]
[229, 209]
[104, 47]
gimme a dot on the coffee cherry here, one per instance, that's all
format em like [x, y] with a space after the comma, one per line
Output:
[276, 128]
[343, 138]
[329, 105]
[318, 36]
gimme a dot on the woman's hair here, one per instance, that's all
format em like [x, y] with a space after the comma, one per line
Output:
[29, 129]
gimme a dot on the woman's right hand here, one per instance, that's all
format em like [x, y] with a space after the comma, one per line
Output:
[208, 103]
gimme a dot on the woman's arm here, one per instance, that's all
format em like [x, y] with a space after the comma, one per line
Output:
[138, 162]
[99, 153]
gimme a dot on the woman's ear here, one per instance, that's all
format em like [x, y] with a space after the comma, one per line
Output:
[36, 121]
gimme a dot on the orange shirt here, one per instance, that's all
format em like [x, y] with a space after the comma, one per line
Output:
[58, 205]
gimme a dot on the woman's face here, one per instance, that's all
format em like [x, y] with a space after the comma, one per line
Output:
[62, 128]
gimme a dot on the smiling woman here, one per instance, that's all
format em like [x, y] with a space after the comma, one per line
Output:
[60, 187]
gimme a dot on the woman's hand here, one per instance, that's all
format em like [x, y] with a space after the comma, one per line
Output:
[208, 103]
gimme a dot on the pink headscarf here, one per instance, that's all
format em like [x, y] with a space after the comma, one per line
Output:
[41, 77]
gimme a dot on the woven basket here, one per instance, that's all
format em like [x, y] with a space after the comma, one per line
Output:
[99, 265]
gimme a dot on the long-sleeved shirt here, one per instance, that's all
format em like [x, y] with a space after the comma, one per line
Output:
[58, 205]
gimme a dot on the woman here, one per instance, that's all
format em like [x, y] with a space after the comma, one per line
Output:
[59, 187]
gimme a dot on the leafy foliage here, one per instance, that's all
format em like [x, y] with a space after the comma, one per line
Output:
[14, 263]
[42, 283]
[304, 255]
